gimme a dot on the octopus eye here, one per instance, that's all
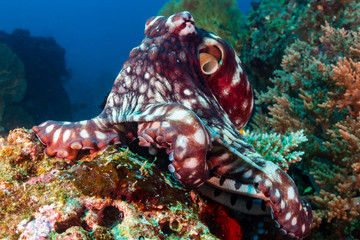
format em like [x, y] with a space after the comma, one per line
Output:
[210, 59]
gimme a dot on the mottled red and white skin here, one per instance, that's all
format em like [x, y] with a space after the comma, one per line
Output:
[167, 98]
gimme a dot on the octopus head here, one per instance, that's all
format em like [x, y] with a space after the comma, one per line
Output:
[191, 54]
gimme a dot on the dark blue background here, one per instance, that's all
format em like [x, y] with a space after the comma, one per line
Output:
[97, 36]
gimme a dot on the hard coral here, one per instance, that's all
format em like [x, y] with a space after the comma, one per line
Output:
[276, 147]
[273, 25]
[318, 90]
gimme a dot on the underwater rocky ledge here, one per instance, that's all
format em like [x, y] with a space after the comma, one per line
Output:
[114, 194]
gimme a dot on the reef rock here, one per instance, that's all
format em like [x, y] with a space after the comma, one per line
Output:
[113, 194]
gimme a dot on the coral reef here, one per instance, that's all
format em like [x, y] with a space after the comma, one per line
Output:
[45, 71]
[272, 25]
[316, 91]
[110, 195]
[226, 23]
[12, 81]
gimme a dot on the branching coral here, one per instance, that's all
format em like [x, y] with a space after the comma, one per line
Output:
[276, 147]
[272, 25]
[318, 90]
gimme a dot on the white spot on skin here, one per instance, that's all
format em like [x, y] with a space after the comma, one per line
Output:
[159, 86]
[245, 104]
[186, 103]
[66, 135]
[181, 141]
[203, 102]
[244, 188]
[43, 124]
[114, 113]
[236, 79]
[49, 128]
[127, 81]
[268, 183]
[257, 178]
[197, 181]
[178, 114]
[291, 193]
[160, 111]
[84, 134]
[146, 75]
[282, 205]
[135, 84]
[224, 156]
[152, 22]
[199, 136]
[288, 216]
[247, 174]
[140, 99]
[143, 88]
[277, 193]
[294, 221]
[56, 135]
[165, 124]
[187, 92]
[128, 69]
[100, 135]
[158, 97]
[98, 123]
[142, 46]
[226, 91]
[303, 228]
[191, 163]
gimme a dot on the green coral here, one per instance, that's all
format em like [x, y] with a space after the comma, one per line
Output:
[276, 147]
[12, 79]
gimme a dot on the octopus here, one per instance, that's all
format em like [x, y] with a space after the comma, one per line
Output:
[184, 90]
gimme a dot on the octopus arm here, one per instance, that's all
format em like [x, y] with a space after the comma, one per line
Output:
[181, 132]
[245, 200]
[66, 139]
[236, 165]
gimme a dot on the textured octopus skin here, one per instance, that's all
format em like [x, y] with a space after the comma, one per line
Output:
[162, 97]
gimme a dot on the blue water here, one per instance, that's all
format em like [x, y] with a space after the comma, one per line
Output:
[97, 36]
